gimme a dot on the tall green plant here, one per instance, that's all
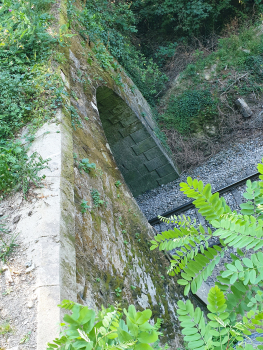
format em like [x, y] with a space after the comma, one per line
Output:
[84, 329]
[29, 92]
[235, 302]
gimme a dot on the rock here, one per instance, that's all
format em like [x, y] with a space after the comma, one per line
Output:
[28, 263]
[16, 219]
[30, 304]
[4, 267]
[2, 212]
[29, 269]
[14, 348]
[244, 108]
[8, 276]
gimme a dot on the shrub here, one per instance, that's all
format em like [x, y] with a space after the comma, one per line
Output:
[18, 169]
[188, 17]
[29, 93]
[182, 109]
[110, 26]
[236, 302]
[84, 329]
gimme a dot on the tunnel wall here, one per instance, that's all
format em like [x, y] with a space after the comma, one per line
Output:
[138, 154]
[112, 240]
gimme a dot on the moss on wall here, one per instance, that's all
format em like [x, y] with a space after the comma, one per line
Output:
[112, 239]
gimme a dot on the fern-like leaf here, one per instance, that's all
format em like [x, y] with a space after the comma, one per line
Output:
[195, 330]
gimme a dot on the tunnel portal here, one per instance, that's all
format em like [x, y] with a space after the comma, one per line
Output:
[137, 152]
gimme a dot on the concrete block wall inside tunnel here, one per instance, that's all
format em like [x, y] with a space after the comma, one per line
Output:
[139, 156]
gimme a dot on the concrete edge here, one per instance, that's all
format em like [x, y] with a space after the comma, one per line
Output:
[60, 254]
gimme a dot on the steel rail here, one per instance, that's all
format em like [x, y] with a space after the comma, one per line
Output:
[189, 205]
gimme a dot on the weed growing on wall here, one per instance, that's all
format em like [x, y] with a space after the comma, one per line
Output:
[84, 206]
[5, 328]
[85, 165]
[98, 202]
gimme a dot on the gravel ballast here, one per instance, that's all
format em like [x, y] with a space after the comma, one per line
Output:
[226, 167]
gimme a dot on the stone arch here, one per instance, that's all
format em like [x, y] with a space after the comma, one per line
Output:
[137, 152]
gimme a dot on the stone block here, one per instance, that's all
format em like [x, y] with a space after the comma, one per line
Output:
[156, 163]
[132, 176]
[131, 162]
[153, 153]
[144, 145]
[143, 184]
[165, 170]
[113, 137]
[107, 125]
[114, 118]
[104, 93]
[130, 128]
[122, 146]
[202, 292]
[128, 119]
[154, 175]
[168, 178]
[140, 135]
[244, 108]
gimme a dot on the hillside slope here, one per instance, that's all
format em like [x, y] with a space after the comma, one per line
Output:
[200, 113]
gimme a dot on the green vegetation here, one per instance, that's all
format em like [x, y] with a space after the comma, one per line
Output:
[118, 292]
[18, 169]
[238, 292]
[84, 206]
[98, 202]
[183, 109]
[5, 328]
[181, 19]
[209, 87]
[85, 165]
[84, 329]
[111, 26]
[29, 92]
[7, 240]
[25, 338]
[118, 183]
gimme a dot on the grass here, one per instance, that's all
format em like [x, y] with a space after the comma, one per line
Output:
[7, 241]
[5, 328]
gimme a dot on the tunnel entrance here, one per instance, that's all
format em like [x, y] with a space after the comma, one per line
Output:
[137, 152]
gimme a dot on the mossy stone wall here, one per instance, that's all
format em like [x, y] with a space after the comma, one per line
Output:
[113, 239]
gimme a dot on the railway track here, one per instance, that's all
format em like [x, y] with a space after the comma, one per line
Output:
[233, 196]
[233, 190]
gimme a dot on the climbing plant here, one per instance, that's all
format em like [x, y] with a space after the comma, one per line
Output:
[237, 294]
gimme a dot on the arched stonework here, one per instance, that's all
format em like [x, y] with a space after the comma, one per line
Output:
[138, 153]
